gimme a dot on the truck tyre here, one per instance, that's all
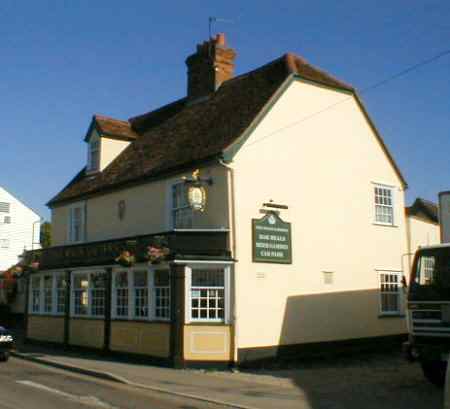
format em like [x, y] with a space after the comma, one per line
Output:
[435, 371]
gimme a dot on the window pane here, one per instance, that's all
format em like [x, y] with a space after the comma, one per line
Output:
[207, 294]
[140, 278]
[208, 278]
[98, 280]
[161, 278]
[35, 282]
[162, 294]
[122, 279]
[390, 293]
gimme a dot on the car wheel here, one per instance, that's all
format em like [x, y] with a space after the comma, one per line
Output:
[435, 372]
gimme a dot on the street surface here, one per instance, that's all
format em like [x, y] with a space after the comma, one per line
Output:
[25, 385]
[380, 381]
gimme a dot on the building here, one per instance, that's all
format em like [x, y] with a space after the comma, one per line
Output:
[422, 227]
[19, 229]
[299, 243]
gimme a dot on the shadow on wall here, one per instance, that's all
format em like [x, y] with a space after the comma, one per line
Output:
[338, 353]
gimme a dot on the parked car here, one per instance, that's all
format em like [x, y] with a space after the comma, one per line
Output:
[6, 343]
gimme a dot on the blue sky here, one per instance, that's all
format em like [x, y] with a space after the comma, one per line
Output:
[64, 61]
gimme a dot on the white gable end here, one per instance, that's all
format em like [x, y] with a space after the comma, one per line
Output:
[19, 229]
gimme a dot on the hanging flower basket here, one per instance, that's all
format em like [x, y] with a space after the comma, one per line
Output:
[156, 254]
[126, 259]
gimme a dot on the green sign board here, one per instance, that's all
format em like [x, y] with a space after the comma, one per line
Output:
[271, 240]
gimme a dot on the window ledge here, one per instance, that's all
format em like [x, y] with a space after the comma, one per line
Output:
[384, 224]
[209, 324]
[391, 315]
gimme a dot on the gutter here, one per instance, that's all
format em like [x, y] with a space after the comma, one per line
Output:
[232, 226]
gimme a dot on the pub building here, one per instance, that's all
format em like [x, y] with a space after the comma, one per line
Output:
[224, 227]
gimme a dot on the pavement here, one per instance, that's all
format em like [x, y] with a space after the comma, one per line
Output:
[368, 382]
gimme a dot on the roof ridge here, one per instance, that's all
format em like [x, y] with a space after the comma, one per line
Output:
[100, 116]
[426, 201]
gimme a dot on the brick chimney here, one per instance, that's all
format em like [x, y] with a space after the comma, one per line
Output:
[212, 64]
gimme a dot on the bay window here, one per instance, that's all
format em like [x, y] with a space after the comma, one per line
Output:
[162, 294]
[207, 294]
[140, 285]
[48, 294]
[141, 294]
[36, 294]
[121, 294]
[97, 294]
[80, 294]
[61, 290]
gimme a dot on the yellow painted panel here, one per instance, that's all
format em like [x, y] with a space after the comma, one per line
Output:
[46, 328]
[87, 333]
[207, 343]
[141, 338]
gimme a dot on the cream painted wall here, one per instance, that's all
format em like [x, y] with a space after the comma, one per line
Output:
[147, 209]
[110, 149]
[421, 233]
[324, 168]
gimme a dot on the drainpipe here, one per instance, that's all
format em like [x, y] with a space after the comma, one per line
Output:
[232, 224]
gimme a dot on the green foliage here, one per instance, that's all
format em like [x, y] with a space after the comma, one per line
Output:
[46, 235]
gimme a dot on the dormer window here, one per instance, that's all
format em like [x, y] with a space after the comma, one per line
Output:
[94, 155]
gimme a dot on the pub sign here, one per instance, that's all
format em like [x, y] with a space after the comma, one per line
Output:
[271, 240]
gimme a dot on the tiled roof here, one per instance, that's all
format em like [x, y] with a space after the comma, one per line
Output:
[115, 128]
[424, 209]
[185, 133]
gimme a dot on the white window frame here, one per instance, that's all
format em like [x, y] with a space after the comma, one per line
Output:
[155, 289]
[151, 293]
[89, 272]
[114, 314]
[227, 292]
[91, 289]
[132, 289]
[94, 167]
[55, 295]
[71, 223]
[174, 209]
[72, 294]
[31, 295]
[391, 189]
[44, 293]
[399, 292]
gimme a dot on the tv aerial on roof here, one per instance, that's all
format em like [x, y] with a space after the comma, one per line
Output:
[212, 20]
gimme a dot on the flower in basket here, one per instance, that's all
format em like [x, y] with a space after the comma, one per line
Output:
[35, 265]
[156, 254]
[125, 259]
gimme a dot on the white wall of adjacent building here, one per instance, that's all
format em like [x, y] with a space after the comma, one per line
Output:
[19, 229]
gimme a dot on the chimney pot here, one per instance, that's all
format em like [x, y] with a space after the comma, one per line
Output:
[209, 67]
[221, 40]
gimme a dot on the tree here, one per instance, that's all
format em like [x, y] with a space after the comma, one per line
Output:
[46, 235]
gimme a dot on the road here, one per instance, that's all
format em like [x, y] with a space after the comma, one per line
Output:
[24, 385]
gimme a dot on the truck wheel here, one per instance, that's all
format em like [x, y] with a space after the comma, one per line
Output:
[435, 371]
